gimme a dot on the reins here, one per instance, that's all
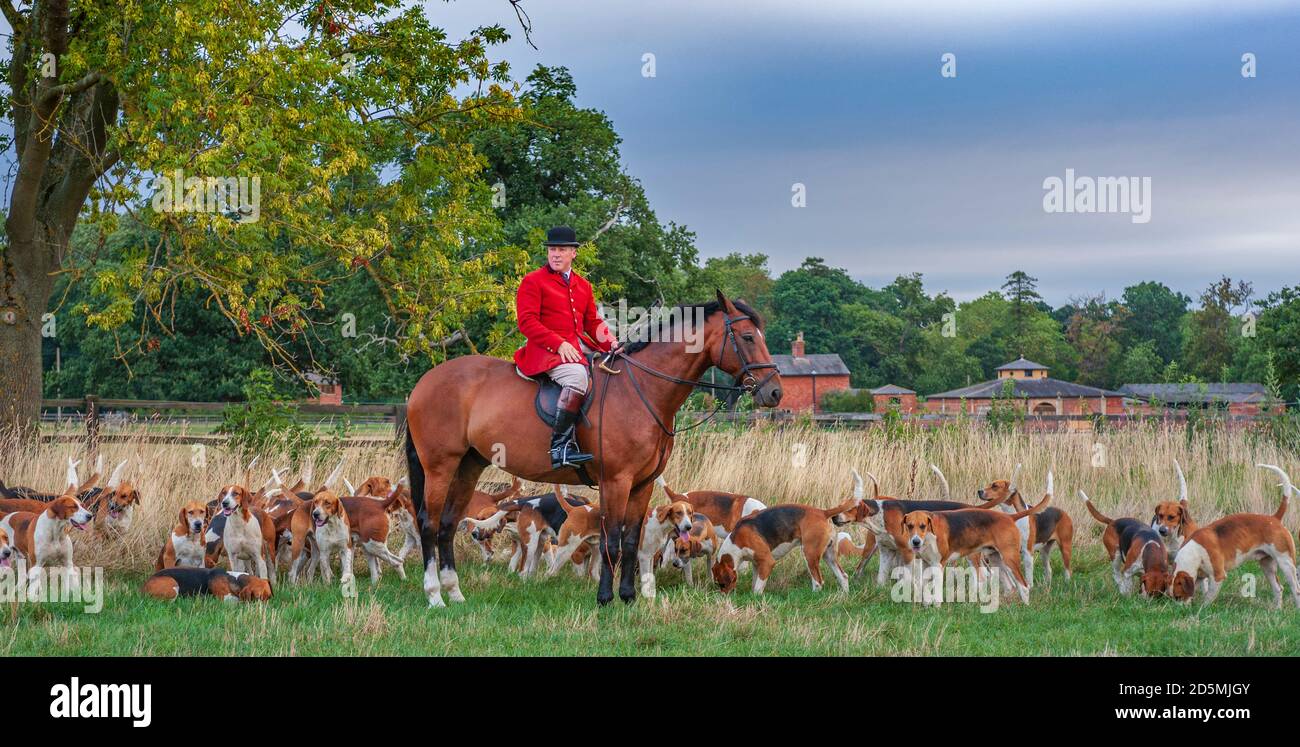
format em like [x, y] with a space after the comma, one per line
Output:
[748, 383]
[745, 368]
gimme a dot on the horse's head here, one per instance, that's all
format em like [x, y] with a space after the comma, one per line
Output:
[736, 345]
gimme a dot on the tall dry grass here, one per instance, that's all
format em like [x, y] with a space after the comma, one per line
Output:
[1124, 472]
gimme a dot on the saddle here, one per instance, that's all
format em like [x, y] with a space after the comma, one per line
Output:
[548, 394]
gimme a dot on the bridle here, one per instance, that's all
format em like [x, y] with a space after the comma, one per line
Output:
[745, 376]
[748, 382]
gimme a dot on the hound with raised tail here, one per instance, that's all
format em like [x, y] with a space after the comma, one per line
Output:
[969, 533]
[765, 537]
[42, 538]
[883, 517]
[1134, 548]
[581, 528]
[368, 517]
[1038, 533]
[1172, 520]
[117, 502]
[1221, 546]
[723, 509]
[185, 546]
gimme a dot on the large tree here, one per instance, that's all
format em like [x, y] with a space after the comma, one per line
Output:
[113, 103]
[1213, 333]
[1155, 314]
[1021, 290]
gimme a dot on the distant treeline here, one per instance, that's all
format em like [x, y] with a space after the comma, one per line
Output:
[562, 165]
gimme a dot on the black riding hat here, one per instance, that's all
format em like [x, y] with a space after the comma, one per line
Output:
[561, 236]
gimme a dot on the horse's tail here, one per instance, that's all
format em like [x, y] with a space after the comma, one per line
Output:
[415, 472]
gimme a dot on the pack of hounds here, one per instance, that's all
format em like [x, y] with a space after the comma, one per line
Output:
[304, 528]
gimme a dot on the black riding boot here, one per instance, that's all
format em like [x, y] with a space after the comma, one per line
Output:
[564, 446]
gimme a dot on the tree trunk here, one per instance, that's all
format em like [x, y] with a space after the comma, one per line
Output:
[60, 137]
[23, 299]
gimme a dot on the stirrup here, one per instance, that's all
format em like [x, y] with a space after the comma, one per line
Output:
[568, 455]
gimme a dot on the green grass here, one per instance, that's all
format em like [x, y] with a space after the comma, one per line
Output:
[508, 616]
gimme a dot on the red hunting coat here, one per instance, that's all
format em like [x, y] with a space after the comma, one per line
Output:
[552, 311]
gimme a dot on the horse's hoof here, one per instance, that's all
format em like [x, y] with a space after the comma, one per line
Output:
[603, 598]
[456, 596]
[435, 602]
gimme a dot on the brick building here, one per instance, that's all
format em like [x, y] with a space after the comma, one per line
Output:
[890, 395]
[1240, 399]
[806, 378]
[1041, 394]
[330, 390]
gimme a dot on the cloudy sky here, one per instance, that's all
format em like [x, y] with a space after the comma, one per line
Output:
[908, 171]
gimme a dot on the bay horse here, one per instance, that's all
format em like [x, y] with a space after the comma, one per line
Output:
[475, 410]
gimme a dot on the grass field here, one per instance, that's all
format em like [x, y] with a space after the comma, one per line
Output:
[508, 616]
[1124, 472]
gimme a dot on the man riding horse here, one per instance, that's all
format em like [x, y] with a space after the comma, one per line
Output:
[471, 411]
[557, 314]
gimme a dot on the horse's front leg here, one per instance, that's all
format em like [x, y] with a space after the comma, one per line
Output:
[613, 507]
[633, 522]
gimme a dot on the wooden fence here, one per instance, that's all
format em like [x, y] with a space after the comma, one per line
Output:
[99, 419]
[102, 415]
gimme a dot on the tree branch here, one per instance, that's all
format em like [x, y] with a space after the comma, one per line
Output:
[54, 93]
[525, 22]
[15, 19]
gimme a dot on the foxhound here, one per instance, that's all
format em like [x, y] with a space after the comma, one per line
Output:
[1039, 532]
[1221, 546]
[42, 538]
[700, 542]
[117, 502]
[883, 517]
[186, 545]
[324, 522]
[661, 523]
[6, 549]
[939, 537]
[1133, 548]
[481, 506]
[537, 519]
[1172, 520]
[766, 536]
[722, 509]
[231, 586]
[249, 534]
[369, 520]
[580, 529]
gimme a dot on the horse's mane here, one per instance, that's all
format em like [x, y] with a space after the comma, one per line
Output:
[709, 308]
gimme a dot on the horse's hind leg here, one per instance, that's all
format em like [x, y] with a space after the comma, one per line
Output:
[459, 493]
[437, 479]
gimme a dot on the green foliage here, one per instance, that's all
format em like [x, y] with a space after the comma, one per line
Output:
[848, 400]
[1141, 364]
[1155, 315]
[264, 425]
[1006, 411]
